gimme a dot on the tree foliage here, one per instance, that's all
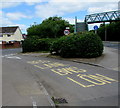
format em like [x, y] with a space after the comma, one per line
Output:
[112, 31]
[50, 28]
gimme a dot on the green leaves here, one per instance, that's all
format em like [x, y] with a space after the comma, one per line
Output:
[33, 44]
[112, 31]
[52, 27]
[86, 44]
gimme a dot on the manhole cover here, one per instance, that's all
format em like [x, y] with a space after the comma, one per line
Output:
[59, 100]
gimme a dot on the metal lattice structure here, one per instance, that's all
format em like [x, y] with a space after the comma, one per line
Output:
[103, 17]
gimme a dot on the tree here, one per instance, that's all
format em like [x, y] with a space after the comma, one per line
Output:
[112, 31]
[50, 28]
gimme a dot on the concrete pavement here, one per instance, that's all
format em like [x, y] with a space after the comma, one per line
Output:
[112, 44]
[19, 86]
[109, 59]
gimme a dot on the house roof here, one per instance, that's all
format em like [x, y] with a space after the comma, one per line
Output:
[8, 30]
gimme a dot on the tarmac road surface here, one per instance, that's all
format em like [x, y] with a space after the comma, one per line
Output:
[79, 84]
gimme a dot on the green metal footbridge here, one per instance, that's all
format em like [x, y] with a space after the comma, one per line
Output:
[103, 17]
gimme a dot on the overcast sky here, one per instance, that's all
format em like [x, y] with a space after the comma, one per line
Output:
[24, 13]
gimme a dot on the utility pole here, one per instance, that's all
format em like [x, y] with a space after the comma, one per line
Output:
[75, 29]
[119, 6]
[105, 32]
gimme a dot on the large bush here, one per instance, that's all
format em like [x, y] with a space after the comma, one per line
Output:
[86, 44]
[52, 27]
[57, 45]
[35, 44]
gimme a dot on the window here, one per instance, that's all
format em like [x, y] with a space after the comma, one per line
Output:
[8, 35]
[1, 35]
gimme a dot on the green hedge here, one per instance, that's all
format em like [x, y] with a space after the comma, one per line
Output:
[57, 44]
[35, 44]
[85, 44]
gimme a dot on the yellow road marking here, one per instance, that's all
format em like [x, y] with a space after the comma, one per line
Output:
[96, 79]
[56, 64]
[61, 71]
[84, 78]
[76, 70]
[39, 67]
[107, 78]
[70, 70]
[38, 61]
[80, 83]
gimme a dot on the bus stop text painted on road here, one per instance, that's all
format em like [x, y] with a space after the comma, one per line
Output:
[80, 77]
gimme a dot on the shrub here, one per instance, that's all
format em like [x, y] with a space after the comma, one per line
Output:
[44, 44]
[28, 45]
[56, 45]
[35, 44]
[85, 44]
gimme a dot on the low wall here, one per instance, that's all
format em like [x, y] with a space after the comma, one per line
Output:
[10, 45]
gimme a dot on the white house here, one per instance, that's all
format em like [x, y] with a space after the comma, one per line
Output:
[10, 34]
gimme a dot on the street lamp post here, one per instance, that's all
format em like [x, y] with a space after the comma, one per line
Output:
[105, 32]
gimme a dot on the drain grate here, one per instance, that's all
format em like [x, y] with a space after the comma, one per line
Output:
[59, 100]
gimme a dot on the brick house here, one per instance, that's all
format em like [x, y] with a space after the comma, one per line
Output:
[10, 37]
